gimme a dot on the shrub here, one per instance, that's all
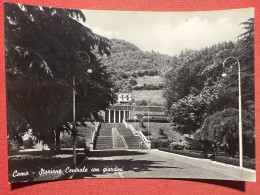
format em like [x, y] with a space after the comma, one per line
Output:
[66, 140]
[192, 144]
[146, 133]
[184, 152]
[160, 143]
[81, 142]
[28, 143]
[156, 120]
[132, 120]
[161, 131]
[177, 146]
[235, 161]
[13, 146]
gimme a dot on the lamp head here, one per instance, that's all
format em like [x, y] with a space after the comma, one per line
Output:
[89, 71]
[224, 74]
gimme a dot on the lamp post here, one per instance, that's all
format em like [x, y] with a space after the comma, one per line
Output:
[240, 110]
[134, 113]
[74, 133]
[148, 123]
[127, 112]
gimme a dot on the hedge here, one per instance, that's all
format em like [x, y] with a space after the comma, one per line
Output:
[235, 161]
[155, 120]
[160, 143]
[184, 152]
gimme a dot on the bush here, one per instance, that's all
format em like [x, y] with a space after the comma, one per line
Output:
[192, 144]
[28, 143]
[141, 103]
[81, 142]
[13, 146]
[235, 161]
[177, 146]
[161, 131]
[66, 140]
[184, 152]
[157, 120]
[132, 120]
[160, 143]
[146, 133]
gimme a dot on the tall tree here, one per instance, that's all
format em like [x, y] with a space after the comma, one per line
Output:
[196, 93]
[45, 48]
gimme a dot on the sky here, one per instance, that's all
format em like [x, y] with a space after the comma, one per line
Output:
[169, 32]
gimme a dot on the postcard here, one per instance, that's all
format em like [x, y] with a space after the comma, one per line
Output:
[129, 94]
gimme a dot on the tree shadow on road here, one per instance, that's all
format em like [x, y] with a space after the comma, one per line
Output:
[96, 161]
[111, 153]
[33, 161]
[99, 159]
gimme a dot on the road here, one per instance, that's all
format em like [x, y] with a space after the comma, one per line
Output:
[157, 164]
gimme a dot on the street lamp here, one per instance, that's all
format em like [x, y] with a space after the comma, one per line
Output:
[240, 110]
[148, 123]
[74, 133]
[134, 115]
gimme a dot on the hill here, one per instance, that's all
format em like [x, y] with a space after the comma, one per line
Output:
[132, 68]
[148, 97]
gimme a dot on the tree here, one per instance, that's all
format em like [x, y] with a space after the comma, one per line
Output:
[199, 99]
[45, 48]
[222, 128]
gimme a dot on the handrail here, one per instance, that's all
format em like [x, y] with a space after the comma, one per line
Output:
[138, 133]
[145, 140]
[113, 138]
[116, 134]
[95, 134]
[95, 131]
[124, 142]
[131, 128]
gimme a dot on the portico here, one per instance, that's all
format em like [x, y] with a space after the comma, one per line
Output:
[114, 115]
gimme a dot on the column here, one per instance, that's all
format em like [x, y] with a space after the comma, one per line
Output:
[114, 116]
[124, 115]
[109, 119]
[119, 120]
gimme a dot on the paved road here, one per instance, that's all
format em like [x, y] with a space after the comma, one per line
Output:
[156, 164]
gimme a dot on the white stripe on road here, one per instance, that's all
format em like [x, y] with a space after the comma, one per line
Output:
[199, 165]
[119, 173]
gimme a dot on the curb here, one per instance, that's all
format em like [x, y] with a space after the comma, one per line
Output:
[211, 161]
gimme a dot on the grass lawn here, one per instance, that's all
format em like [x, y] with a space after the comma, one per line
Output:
[148, 95]
[154, 80]
[154, 130]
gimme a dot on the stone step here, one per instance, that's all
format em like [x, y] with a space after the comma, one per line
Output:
[104, 142]
[132, 141]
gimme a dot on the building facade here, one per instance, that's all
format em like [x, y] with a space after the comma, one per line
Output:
[124, 98]
[116, 113]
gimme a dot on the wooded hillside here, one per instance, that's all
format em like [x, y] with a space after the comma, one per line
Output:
[127, 64]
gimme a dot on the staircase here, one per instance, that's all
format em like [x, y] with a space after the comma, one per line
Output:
[122, 130]
[133, 141]
[104, 142]
[105, 138]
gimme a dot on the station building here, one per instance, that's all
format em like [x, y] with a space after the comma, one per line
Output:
[125, 109]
